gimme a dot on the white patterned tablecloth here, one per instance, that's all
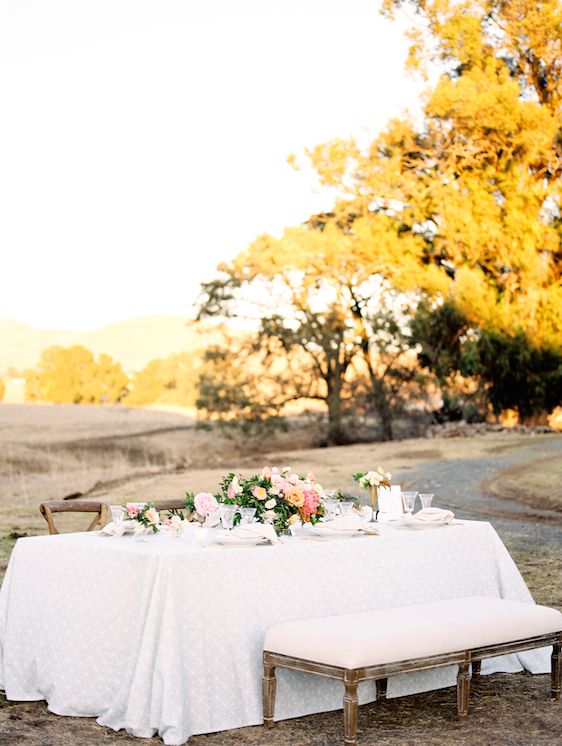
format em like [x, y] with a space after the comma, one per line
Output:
[165, 637]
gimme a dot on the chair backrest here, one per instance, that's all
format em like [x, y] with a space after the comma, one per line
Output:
[170, 504]
[101, 510]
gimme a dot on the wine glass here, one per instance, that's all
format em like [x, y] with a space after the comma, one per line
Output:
[330, 509]
[247, 515]
[409, 500]
[426, 498]
[117, 513]
[227, 513]
[346, 506]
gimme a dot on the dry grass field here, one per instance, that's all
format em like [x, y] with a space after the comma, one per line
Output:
[115, 454]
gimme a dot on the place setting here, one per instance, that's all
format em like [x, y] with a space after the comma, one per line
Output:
[248, 533]
[428, 516]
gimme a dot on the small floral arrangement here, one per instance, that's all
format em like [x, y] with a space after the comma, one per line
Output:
[145, 515]
[280, 497]
[378, 478]
[175, 523]
[200, 507]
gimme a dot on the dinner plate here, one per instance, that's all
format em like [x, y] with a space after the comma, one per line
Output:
[238, 541]
[411, 521]
[329, 533]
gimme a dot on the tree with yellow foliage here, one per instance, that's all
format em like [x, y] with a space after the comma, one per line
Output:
[71, 375]
[461, 209]
[169, 381]
[473, 193]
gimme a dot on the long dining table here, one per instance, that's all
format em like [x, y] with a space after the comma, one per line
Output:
[165, 636]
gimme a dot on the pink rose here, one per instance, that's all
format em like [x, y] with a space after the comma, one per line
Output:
[311, 502]
[132, 510]
[205, 503]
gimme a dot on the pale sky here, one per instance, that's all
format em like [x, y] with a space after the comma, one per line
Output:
[144, 141]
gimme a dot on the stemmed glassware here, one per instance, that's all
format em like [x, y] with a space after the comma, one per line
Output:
[426, 498]
[346, 506]
[117, 513]
[247, 515]
[409, 500]
[330, 506]
[227, 513]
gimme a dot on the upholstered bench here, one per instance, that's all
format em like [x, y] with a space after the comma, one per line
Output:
[376, 644]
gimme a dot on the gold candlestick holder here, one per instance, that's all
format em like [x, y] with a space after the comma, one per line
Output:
[374, 494]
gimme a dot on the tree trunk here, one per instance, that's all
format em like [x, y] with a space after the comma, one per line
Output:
[532, 420]
[382, 408]
[336, 434]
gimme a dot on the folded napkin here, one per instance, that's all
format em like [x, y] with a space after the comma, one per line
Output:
[118, 528]
[349, 523]
[255, 531]
[434, 516]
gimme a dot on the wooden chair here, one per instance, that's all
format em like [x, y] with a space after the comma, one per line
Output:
[101, 510]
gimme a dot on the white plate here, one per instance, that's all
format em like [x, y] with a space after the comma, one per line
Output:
[328, 533]
[416, 523]
[238, 541]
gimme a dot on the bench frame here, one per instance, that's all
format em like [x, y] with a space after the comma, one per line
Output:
[351, 677]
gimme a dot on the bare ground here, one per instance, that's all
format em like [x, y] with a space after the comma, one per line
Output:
[512, 709]
[114, 454]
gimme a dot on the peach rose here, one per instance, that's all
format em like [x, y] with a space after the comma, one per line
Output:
[294, 497]
[152, 516]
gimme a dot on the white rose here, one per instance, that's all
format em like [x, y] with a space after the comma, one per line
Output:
[177, 524]
[271, 503]
[236, 487]
[269, 516]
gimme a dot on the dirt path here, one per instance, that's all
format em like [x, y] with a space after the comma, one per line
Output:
[464, 482]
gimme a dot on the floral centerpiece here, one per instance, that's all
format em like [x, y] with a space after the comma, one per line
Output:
[280, 497]
[372, 480]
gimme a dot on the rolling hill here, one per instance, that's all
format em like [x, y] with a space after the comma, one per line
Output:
[133, 343]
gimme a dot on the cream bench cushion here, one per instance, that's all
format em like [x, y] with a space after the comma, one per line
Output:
[407, 632]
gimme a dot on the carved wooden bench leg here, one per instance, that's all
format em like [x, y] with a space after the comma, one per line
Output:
[381, 685]
[556, 669]
[463, 690]
[269, 684]
[476, 666]
[350, 707]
